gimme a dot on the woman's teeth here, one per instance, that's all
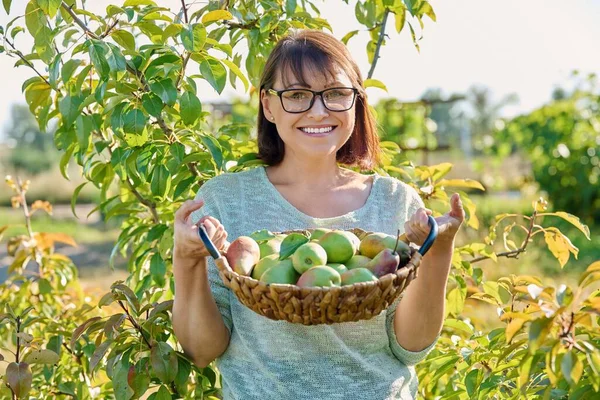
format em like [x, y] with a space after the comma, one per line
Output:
[317, 130]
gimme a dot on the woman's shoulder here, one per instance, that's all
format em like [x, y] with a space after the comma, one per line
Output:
[390, 186]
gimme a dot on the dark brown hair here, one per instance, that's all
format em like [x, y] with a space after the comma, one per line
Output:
[316, 50]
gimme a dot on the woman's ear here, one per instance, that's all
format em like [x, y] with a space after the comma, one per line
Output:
[264, 99]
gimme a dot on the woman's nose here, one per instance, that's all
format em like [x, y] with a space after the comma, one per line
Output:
[318, 109]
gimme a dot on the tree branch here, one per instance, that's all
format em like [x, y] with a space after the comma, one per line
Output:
[513, 253]
[135, 324]
[379, 43]
[79, 22]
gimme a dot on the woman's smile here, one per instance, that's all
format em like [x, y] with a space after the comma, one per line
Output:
[317, 131]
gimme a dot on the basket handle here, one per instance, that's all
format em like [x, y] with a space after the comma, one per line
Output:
[431, 237]
[210, 246]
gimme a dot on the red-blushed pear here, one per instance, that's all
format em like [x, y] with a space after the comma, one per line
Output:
[386, 262]
[357, 275]
[321, 275]
[243, 254]
[373, 243]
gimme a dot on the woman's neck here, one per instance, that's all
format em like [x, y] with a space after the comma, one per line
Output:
[313, 174]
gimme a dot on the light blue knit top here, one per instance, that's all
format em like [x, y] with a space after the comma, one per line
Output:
[269, 359]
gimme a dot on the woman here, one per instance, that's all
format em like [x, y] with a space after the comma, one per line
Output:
[313, 115]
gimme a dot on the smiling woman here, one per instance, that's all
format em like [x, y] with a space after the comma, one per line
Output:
[313, 120]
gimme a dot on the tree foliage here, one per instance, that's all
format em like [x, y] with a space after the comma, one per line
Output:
[122, 86]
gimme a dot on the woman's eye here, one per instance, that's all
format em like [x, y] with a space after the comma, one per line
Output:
[297, 95]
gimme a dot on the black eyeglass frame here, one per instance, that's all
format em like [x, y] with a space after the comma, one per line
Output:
[279, 93]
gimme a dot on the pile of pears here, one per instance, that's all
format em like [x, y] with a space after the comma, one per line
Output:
[317, 257]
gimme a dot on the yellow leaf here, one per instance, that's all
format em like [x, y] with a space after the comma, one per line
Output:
[42, 356]
[216, 15]
[46, 240]
[559, 245]
[513, 327]
[463, 183]
[374, 83]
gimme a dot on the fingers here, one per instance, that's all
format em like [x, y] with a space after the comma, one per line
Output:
[456, 207]
[187, 208]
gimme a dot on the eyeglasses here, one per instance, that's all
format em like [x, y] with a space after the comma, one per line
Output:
[301, 100]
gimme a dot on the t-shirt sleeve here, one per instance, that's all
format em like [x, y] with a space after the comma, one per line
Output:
[409, 202]
[219, 291]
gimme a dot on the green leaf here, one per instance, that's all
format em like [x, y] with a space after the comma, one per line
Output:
[189, 108]
[124, 39]
[161, 181]
[238, 72]
[178, 152]
[6, 4]
[68, 69]
[375, 83]
[44, 45]
[214, 148]
[164, 362]
[49, 7]
[216, 15]
[262, 235]
[290, 244]
[459, 326]
[290, 7]
[116, 60]
[165, 90]
[133, 3]
[70, 108]
[214, 72]
[158, 269]
[74, 198]
[34, 18]
[538, 331]
[152, 104]
[349, 36]
[193, 37]
[41, 356]
[98, 50]
[134, 121]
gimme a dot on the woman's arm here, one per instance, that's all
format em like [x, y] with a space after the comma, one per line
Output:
[420, 314]
[197, 322]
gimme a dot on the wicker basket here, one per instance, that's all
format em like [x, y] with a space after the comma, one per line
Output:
[320, 305]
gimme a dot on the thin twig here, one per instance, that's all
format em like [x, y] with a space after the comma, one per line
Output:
[147, 203]
[26, 61]
[79, 21]
[135, 324]
[379, 43]
[185, 14]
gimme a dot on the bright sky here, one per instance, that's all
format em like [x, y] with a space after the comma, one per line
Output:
[526, 47]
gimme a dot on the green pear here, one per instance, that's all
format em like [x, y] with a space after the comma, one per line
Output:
[340, 268]
[357, 261]
[357, 275]
[317, 233]
[320, 275]
[283, 272]
[339, 245]
[264, 264]
[269, 247]
[307, 256]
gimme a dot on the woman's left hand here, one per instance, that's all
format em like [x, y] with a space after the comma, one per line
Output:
[417, 228]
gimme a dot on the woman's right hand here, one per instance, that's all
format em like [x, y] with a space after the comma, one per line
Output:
[187, 242]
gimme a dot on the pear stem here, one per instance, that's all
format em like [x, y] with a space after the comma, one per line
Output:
[397, 240]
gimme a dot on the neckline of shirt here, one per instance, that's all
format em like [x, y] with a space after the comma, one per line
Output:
[289, 206]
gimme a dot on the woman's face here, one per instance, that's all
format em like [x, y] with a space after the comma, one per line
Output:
[315, 133]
